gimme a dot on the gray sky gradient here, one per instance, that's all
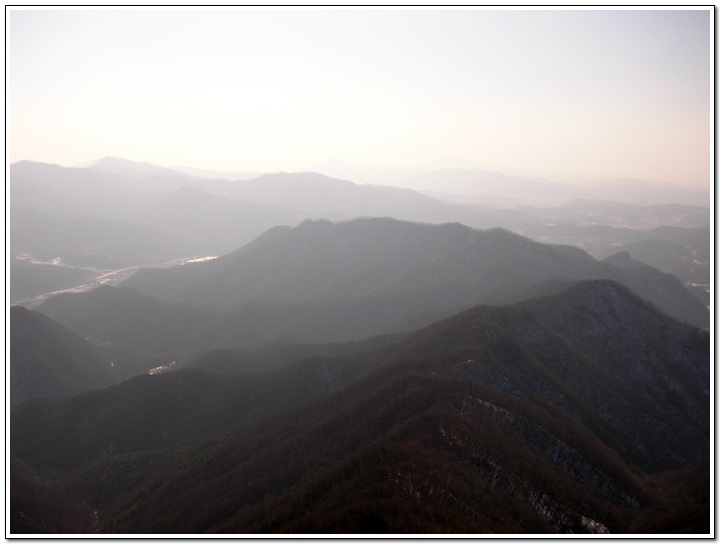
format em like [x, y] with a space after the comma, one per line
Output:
[594, 93]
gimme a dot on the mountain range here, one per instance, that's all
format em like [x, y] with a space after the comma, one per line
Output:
[292, 353]
[604, 396]
[434, 266]
[110, 214]
[461, 181]
[332, 282]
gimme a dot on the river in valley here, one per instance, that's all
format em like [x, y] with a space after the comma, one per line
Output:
[104, 277]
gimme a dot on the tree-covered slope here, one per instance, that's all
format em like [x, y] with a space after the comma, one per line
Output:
[561, 413]
[47, 360]
[437, 266]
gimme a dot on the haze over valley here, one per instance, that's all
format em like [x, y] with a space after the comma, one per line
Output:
[299, 286]
[108, 223]
[337, 286]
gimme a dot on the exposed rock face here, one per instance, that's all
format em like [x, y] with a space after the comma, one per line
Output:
[662, 365]
[633, 375]
[558, 452]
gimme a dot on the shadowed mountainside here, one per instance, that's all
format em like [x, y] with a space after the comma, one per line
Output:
[324, 282]
[568, 407]
[437, 266]
[556, 408]
[89, 242]
[47, 360]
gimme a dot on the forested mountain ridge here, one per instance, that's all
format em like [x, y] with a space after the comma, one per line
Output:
[325, 282]
[48, 360]
[484, 394]
[550, 404]
[443, 265]
[131, 214]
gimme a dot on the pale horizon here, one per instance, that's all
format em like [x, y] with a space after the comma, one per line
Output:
[556, 94]
[447, 164]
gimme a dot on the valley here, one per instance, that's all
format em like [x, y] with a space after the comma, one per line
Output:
[96, 278]
[360, 272]
[336, 358]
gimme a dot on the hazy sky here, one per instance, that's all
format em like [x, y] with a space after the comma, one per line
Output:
[608, 93]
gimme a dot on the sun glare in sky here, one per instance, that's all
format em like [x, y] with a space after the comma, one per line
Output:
[608, 93]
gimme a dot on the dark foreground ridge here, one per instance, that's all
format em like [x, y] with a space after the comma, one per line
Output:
[586, 411]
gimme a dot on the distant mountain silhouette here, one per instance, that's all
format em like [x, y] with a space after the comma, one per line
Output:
[436, 267]
[215, 216]
[47, 360]
[129, 168]
[88, 184]
[543, 416]
[322, 196]
[213, 225]
[91, 192]
[89, 242]
[319, 196]
[104, 219]
[125, 167]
